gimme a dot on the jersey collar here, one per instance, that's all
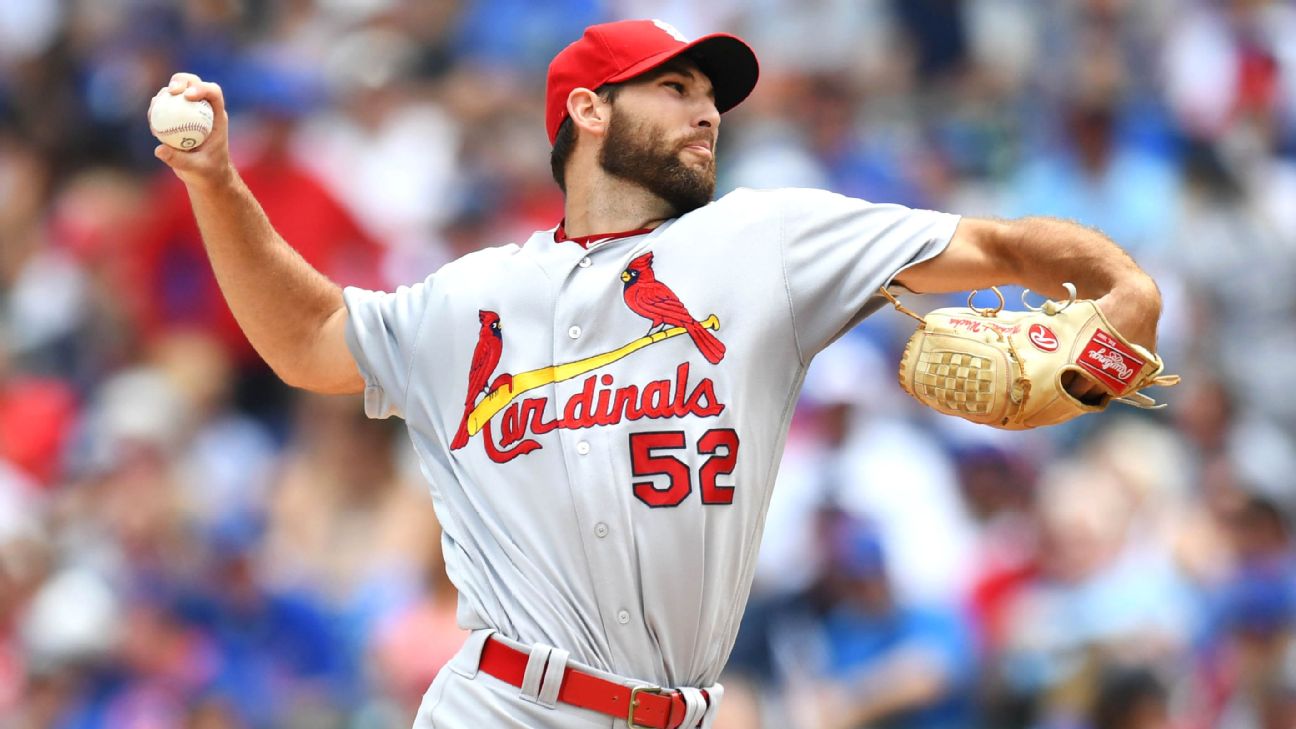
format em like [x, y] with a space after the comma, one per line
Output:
[585, 241]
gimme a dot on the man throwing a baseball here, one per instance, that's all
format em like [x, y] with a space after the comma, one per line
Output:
[601, 408]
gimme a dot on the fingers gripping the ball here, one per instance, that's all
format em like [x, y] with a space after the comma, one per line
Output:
[188, 116]
[180, 122]
[195, 89]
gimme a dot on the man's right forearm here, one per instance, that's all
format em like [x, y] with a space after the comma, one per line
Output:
[280, 301]
[292, 314]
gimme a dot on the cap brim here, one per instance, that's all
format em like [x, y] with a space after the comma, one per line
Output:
[727, 60]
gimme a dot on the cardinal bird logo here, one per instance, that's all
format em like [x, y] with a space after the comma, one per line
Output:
[486, 357]
[654, 301]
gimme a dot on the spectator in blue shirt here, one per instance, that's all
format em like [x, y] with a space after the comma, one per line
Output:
[884, 663]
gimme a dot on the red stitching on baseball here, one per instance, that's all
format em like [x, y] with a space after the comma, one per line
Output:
[190, 127]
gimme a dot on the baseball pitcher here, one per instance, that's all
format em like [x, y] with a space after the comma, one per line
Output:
[600, 409]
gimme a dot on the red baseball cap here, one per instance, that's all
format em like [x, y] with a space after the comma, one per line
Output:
[614, 52]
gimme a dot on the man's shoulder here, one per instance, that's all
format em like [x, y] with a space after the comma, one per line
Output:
[751, 196]
[485, 258]
[769, 201]
[743, 204]
[766, 194]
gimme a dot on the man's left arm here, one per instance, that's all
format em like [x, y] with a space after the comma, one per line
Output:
[1040, 254]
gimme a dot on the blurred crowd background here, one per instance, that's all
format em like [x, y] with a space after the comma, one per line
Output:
[186, 543]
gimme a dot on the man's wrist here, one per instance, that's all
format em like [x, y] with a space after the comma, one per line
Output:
[222, 181]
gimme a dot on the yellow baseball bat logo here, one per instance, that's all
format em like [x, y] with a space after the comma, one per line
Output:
[499, 398]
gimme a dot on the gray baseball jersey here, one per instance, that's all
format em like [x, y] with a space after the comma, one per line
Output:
[601, 427]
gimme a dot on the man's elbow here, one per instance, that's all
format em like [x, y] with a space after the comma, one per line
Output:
[293, 377]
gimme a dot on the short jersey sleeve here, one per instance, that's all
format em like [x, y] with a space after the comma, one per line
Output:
[382, 331]
[837, 251]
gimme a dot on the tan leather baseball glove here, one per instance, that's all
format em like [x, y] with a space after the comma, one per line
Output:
[1005, 368]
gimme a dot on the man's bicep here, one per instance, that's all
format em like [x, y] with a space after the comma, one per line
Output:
[337, 369]
[975, 258]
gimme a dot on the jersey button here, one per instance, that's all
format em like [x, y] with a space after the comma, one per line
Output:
[600, 530]
[574, 332]
[583, 448]
[584, 263]
[623, 617]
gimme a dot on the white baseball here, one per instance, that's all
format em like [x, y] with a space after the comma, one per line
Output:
[179, 122]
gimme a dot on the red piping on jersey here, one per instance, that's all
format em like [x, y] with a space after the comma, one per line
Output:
[584, 241]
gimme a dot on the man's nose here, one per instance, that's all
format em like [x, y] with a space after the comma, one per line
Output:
[709, 116]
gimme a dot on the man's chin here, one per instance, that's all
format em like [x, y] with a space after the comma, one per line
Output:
[687, 204]
[683, 184]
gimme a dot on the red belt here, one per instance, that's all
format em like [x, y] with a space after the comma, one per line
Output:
[640, 706]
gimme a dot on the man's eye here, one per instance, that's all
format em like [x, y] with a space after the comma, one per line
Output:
[679, 87]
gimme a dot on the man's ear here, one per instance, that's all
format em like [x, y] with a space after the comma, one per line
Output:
[588, 111]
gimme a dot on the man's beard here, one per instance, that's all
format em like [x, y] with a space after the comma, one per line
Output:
[638, 154]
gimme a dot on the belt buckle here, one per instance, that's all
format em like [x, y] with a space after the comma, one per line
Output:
[634, 704]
